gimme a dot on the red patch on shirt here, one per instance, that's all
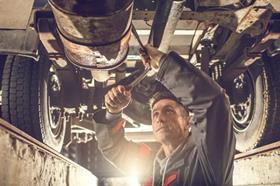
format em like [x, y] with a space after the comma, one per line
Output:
[172, 176]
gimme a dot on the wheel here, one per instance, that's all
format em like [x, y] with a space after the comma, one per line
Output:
[30, 94]
[255, 105]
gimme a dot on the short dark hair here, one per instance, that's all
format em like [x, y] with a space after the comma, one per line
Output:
[168, 95]
[162, 95]
[161, 92]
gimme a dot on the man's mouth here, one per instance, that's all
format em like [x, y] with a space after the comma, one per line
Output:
[162, 128]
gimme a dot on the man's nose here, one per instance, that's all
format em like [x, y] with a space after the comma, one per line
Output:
[161, 117]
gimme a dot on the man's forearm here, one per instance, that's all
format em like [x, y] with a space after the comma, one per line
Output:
[108, 129]
[186, 82]
[124, 154]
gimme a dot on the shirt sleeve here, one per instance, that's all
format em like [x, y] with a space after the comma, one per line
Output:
[131, 158]
[212, 127]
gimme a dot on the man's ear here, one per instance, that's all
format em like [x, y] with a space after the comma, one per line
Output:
[187, 126]
[190, 128]
[191, 118]
[190, 121]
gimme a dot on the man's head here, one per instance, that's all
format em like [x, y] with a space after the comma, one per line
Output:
[170, 120]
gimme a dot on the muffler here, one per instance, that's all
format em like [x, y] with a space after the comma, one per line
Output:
[94, 33]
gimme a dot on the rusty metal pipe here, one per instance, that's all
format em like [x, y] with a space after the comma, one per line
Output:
[94, 33]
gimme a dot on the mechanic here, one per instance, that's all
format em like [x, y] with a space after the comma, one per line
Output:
[190, 119]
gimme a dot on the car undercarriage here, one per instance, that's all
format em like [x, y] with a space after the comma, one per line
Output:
[59, 58]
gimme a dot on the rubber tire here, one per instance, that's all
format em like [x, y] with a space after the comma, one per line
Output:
[25, 99]
[264, 127]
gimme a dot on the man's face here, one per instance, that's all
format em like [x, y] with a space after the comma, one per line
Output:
[169, 121]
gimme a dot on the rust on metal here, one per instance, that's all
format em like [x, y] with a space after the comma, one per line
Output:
[95, 35]
[258, 167]
[93, 30]
[215, 3]
[87, 56]
[50, 42]
[224, 18]
[255, 22]
[26, 161]
[258, 150]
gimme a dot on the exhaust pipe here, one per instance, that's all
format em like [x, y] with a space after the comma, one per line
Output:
[94, 33]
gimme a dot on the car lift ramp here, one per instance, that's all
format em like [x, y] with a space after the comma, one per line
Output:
[25, 161]
[260, 166]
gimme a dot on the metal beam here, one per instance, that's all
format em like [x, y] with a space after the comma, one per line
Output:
[258, 167]
[19, 42]
[25, 161]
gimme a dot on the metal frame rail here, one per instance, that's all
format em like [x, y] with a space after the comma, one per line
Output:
[26, 161]
[260, 166]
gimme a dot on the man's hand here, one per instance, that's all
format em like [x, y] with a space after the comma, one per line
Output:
[117, 99]
[153, 57]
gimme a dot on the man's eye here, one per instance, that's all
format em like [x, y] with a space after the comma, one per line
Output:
[169, 111]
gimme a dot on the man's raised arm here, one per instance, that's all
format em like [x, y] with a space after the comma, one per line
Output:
[212, 128]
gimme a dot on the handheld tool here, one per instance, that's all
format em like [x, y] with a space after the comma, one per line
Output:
[137, 80]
